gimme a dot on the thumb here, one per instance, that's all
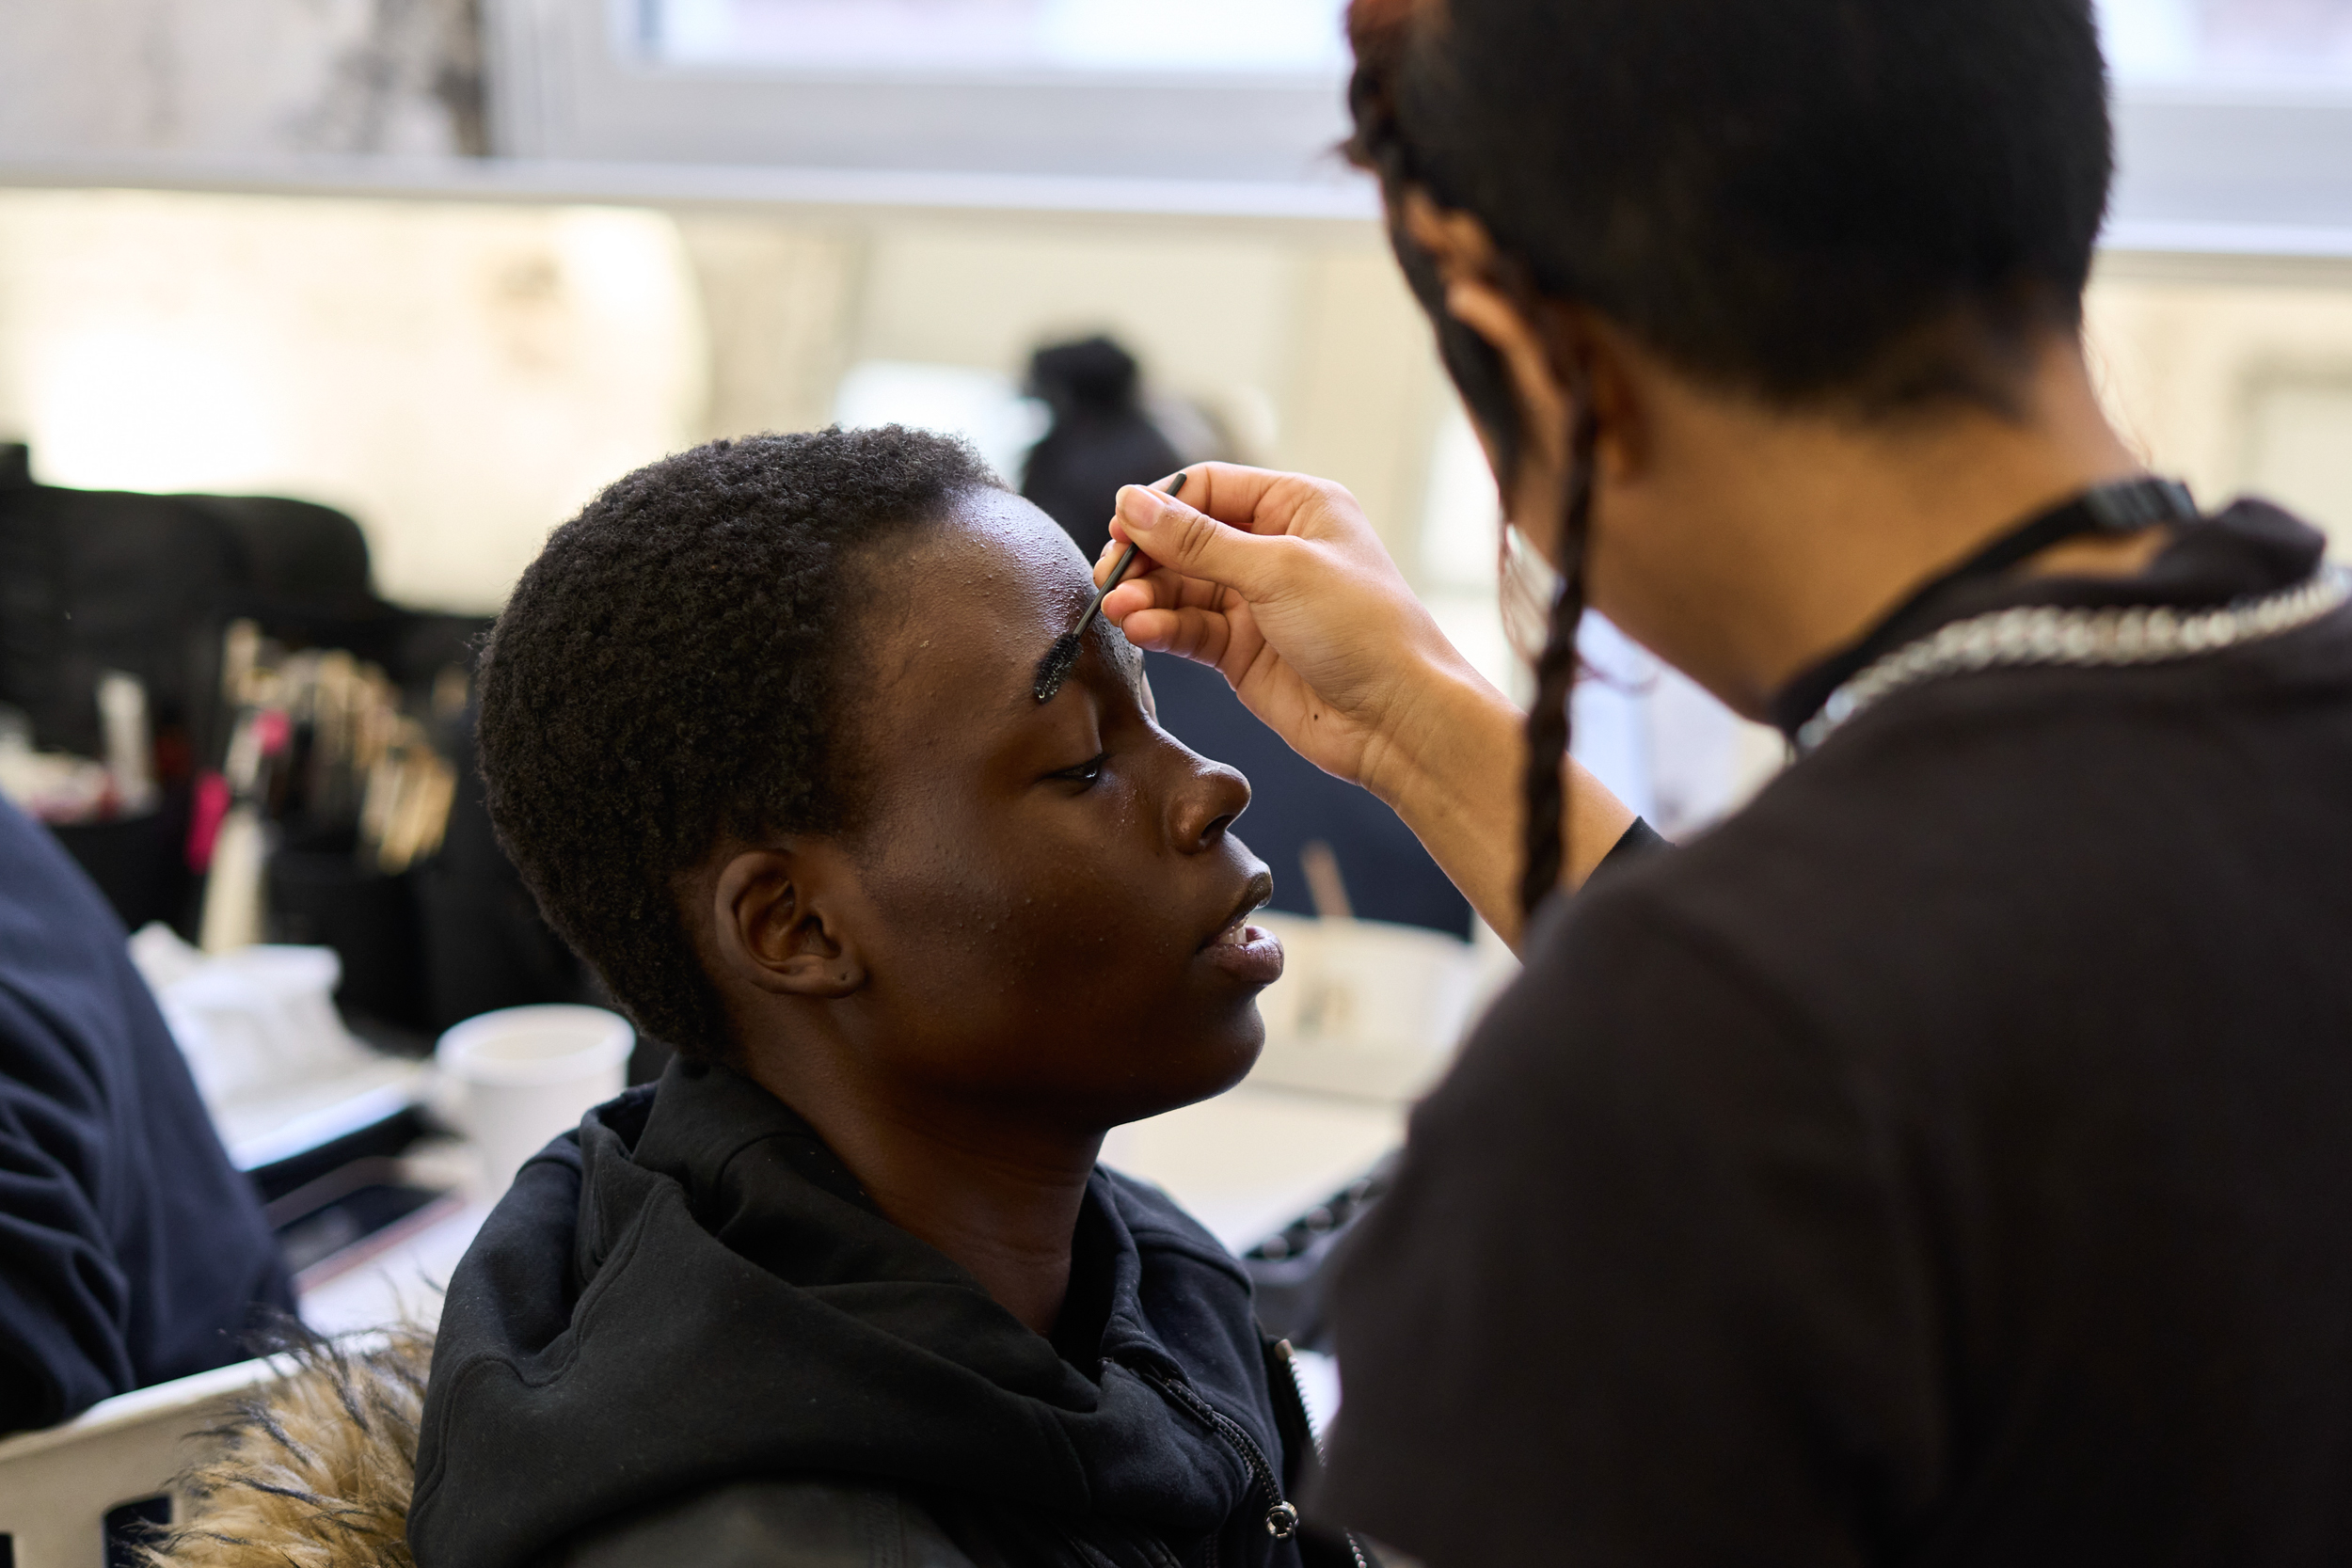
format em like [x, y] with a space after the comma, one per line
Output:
[1195, 544]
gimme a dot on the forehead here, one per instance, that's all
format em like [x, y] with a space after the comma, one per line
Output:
[968, 606]
[998, 553]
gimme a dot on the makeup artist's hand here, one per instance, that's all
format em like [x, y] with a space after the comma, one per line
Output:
[1279, 581]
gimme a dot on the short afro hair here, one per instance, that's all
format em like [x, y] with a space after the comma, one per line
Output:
[669, 671]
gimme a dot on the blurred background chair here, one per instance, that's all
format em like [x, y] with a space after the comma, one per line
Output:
[85, 1495]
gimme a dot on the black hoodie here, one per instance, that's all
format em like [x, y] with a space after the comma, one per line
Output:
[693, 1293]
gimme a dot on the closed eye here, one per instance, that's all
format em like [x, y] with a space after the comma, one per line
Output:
[1086, 772]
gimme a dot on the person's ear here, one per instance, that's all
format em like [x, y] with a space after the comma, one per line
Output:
[1463, 253]
[776, 928]
[1544, 354]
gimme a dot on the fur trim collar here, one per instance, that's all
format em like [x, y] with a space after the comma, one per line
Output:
[315, 1472]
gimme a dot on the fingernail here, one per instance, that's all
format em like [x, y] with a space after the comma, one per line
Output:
[1139, 506]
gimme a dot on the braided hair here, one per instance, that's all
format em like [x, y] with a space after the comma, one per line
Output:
[1548, 732]
[1477, 370]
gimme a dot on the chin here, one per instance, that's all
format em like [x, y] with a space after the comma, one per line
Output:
[1099, 1074]
[1216, 1059]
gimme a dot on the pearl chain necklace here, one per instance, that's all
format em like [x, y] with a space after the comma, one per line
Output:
[2137, 634]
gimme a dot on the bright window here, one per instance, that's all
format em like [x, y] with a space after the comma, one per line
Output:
[1128, 37]
[2278, 44]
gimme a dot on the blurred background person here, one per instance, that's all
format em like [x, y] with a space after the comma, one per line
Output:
[130, 1251]
[1102, 436]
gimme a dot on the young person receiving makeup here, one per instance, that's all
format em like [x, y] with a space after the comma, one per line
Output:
[848, 1285]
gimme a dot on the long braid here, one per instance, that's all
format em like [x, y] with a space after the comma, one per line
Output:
[1555, 676]
[1382, 33]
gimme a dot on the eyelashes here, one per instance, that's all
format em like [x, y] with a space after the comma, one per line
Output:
[1086, 772]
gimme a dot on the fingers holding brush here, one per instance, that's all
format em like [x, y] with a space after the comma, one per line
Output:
[1164, 611]
[1280, 582]
[1222, 639]
[1056, 666]
[1119, 554]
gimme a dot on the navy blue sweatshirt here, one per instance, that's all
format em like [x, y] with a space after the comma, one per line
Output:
[130, 1252]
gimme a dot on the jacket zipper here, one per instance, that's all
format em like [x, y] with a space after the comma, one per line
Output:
[1289, 1358]
[1282, 1519]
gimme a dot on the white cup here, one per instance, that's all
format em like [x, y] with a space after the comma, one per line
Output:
[524, 1075]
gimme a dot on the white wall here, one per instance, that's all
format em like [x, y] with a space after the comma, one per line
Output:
[1312, 352]
[780, 301]
[462, 377]
[2242, 387]
[459, 378]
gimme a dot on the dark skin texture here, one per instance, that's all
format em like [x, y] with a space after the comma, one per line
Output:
[1013, 949]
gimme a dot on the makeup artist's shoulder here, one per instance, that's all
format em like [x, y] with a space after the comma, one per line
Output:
[760, 1523]
[1776, 878]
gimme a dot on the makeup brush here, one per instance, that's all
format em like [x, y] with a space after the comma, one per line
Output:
[1054, 667]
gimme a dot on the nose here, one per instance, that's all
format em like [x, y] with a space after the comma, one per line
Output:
[1204, 803]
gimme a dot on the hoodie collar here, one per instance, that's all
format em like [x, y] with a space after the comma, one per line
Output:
[695, 1290]
[758, 1180]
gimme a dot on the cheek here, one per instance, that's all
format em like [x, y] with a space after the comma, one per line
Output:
[1063, 946]
[1631, 577]
[1001, 921]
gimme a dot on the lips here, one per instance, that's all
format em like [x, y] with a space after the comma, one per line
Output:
[1254, 893]
[1248, 953]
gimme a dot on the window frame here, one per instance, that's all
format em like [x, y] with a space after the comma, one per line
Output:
[565, 87]
[2221, 171]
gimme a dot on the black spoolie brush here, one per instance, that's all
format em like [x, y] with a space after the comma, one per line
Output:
[1056, 666]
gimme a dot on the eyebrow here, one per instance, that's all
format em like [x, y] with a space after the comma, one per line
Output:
[1105, 640]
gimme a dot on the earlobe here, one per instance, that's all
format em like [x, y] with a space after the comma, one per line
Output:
[1547, 348]
[1526, 355]
[1456, 243]
[772, 930]
[1624, 448]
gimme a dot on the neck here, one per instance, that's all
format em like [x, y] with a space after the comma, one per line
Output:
[1779, 539]
[1005, 1208]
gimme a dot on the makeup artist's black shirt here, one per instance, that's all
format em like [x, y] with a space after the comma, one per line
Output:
[1946, 1161]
